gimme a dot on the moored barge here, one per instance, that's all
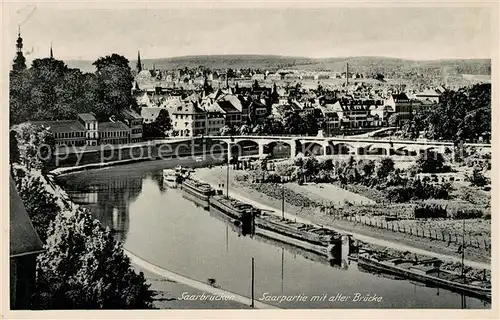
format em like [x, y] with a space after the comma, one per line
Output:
[200, 190]
[234, 208]
[309, 237]
[427, 272]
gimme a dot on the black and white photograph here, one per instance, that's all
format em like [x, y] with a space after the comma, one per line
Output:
[239, 156]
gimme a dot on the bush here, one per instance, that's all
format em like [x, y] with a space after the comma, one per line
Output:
[430, 162]
[273, 178]
[470, 213]
[477, 178]
[429, 210]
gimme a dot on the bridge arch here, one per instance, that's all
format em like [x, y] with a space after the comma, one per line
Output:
[335, 148]
[279, 149]
[244, 147]
[310, 148]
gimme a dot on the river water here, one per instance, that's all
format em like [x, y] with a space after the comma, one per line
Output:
[160, 225]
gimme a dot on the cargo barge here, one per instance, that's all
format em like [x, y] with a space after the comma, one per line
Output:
[338, 263]
[233, 208]
[200, 190]
[426, 272]
[316, 239]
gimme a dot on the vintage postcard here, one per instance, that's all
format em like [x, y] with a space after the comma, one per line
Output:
[304, 159]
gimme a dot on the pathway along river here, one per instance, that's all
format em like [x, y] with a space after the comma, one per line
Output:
[160, 225]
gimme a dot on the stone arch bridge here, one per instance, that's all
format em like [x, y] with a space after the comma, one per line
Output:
[344, 145]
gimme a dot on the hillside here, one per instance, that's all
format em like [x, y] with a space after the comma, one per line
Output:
[391, 67]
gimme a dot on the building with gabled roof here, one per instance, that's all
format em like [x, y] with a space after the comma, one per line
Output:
[25, 246]
[134, 121]
[149, 114]
[428, 94]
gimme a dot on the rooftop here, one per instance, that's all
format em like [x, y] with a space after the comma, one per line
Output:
[400, 96]
[147, 112]
[227, 106]
[87, 116]
[130, 114]
[187, 108]
[23, 237]
[112, 126]
[428, 93]
[61, 125]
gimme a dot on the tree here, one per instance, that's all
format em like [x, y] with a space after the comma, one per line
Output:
[225, 131]
[394, 120]
[114, 80]
[384, 167]
[310, 167]
[83, 267]
[40, 205]
[463, 114]
[162, 122]
[36, 145]
[20, 104]
[367, 167]
[430, 162]
[308, 125]
[49, 90]
[13, 147]
[292, 123]
[245, 129]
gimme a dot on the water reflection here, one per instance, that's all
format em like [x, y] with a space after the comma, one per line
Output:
[108, 200]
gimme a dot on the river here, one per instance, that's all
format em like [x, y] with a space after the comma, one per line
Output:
[160, 225]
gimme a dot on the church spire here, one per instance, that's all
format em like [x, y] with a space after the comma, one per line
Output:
[51, 53]
[19, 60]
[139, 64]
[19, 43]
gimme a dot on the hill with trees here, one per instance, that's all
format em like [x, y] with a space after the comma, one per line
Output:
[366, 65]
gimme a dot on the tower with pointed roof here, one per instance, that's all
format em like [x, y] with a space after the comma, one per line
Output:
[275, 95]
[139, 64]
[207, 88]
[19, 61]
[51, 53]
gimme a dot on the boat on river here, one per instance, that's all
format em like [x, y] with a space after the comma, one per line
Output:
[233, 208]
[425, 271]
[170, 175]
[310, 237]
[200, 190]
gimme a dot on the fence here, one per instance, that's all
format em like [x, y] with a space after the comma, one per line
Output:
[479, 242]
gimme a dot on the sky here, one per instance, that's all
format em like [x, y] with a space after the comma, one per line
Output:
[421, 33]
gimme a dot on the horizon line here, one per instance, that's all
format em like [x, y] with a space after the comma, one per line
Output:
[278, 56]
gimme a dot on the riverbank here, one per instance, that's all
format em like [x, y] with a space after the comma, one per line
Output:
[168, 294]
[172, 287]
[400, 241]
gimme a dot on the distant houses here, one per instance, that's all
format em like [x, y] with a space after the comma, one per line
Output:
[201, 102]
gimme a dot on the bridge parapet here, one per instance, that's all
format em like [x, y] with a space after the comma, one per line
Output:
[353, 142]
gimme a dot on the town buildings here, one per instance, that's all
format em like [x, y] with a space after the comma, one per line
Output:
[254, 95]
[134, 121]
[402, 105]
[86, 130]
